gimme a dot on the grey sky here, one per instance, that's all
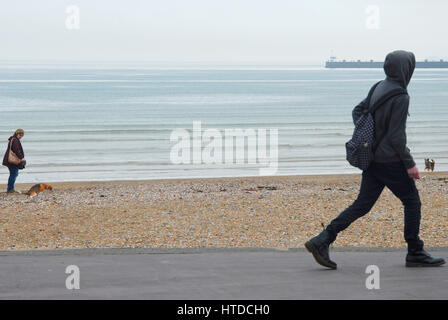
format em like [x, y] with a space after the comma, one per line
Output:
[277, 31]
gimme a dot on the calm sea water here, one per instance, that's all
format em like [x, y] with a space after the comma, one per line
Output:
[115, 123]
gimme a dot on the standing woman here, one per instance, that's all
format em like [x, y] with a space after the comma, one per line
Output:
[14, 158]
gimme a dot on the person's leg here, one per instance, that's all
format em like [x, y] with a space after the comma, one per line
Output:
[371, 188]
[412, 217]
[13, 173]
[398, 181]
[403, 187]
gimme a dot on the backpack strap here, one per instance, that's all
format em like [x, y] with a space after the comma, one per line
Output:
[369, 96]
[379, 103]
[386, 97]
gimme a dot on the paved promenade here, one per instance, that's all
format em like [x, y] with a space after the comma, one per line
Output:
[216, 274]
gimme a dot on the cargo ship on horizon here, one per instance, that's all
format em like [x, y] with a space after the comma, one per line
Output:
[333, 63]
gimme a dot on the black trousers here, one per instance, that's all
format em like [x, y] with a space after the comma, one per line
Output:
[394, 176]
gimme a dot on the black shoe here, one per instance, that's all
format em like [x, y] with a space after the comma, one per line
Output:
[421, 258]
[318, 246]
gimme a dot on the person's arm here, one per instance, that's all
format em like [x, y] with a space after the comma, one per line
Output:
[396, 133]
[359, 110]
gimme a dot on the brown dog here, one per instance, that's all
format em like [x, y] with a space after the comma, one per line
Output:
[429, 164]
[38, 188]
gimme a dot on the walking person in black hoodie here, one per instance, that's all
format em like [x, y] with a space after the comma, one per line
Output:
[15, 146]
[392, 167]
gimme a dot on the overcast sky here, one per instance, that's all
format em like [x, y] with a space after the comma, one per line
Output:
[256, 31]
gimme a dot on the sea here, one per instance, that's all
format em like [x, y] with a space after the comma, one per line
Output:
[98, 122]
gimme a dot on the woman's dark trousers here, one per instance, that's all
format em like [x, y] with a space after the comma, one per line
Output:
[13, 173]
[394, 176]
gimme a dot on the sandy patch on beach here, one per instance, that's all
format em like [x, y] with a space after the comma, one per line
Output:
[277, 212]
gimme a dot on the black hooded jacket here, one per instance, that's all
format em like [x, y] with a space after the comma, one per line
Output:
[391, 116]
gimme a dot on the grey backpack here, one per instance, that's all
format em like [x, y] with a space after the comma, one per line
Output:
[360, 149]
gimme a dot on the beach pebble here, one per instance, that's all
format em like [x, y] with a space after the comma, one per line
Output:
[278, 212]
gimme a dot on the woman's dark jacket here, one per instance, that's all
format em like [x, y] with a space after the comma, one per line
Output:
[17, 149]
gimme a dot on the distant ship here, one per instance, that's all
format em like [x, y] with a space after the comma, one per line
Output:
[333, 63]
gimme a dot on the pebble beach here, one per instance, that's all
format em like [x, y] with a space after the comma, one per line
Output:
[271, 212]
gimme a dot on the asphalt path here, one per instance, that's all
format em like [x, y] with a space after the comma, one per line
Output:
[248, 273]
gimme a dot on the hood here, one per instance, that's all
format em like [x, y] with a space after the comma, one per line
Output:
[399, 66]
[13, 136]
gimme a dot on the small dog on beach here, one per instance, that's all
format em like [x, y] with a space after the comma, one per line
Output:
[429, 164]
[34, 190]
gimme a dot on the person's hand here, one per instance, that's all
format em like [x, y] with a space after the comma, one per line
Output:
[23, 160]
[413, 173]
